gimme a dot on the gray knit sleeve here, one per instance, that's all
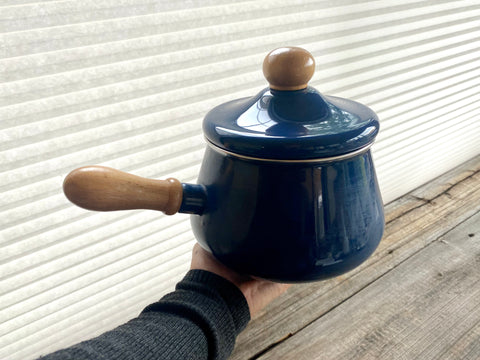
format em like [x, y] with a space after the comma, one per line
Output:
[199, 320]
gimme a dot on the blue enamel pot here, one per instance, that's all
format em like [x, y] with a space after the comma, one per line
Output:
[287, 189]
[293, 221]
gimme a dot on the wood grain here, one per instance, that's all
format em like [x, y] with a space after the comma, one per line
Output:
[413, 223]
[428, 307]
[102, 188]
[288, 68]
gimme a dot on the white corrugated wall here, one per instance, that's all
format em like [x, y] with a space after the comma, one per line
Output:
[125, 83]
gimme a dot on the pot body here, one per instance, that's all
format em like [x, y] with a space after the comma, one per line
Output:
[289, 221]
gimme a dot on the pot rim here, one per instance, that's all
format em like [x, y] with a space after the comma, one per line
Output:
[317, 160]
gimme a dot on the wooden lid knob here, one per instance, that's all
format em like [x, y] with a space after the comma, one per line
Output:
[288, 68]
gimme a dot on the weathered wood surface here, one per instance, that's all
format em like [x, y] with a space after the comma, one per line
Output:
[413, 222]
[428, 307]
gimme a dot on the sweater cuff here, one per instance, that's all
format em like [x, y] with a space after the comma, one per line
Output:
[230, 293]
[213, 304]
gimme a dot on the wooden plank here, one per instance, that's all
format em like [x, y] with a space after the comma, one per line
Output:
[416, 222]
[426, 308]
[441, 184]
[431, 190]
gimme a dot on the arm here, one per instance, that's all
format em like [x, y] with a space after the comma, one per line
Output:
[199, 320]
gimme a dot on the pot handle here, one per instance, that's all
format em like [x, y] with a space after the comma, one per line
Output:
[102, 188]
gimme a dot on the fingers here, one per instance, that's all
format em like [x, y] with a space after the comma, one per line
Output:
[203, 260]
[257, 292]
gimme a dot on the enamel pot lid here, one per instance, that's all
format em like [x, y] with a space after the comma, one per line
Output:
[290, 120]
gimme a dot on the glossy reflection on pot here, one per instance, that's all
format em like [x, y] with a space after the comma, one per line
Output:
[290, 222]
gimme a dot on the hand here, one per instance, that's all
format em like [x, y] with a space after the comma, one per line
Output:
[259, 293]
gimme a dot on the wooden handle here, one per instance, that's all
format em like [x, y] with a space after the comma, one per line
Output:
[105, 189]
[288, 68]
